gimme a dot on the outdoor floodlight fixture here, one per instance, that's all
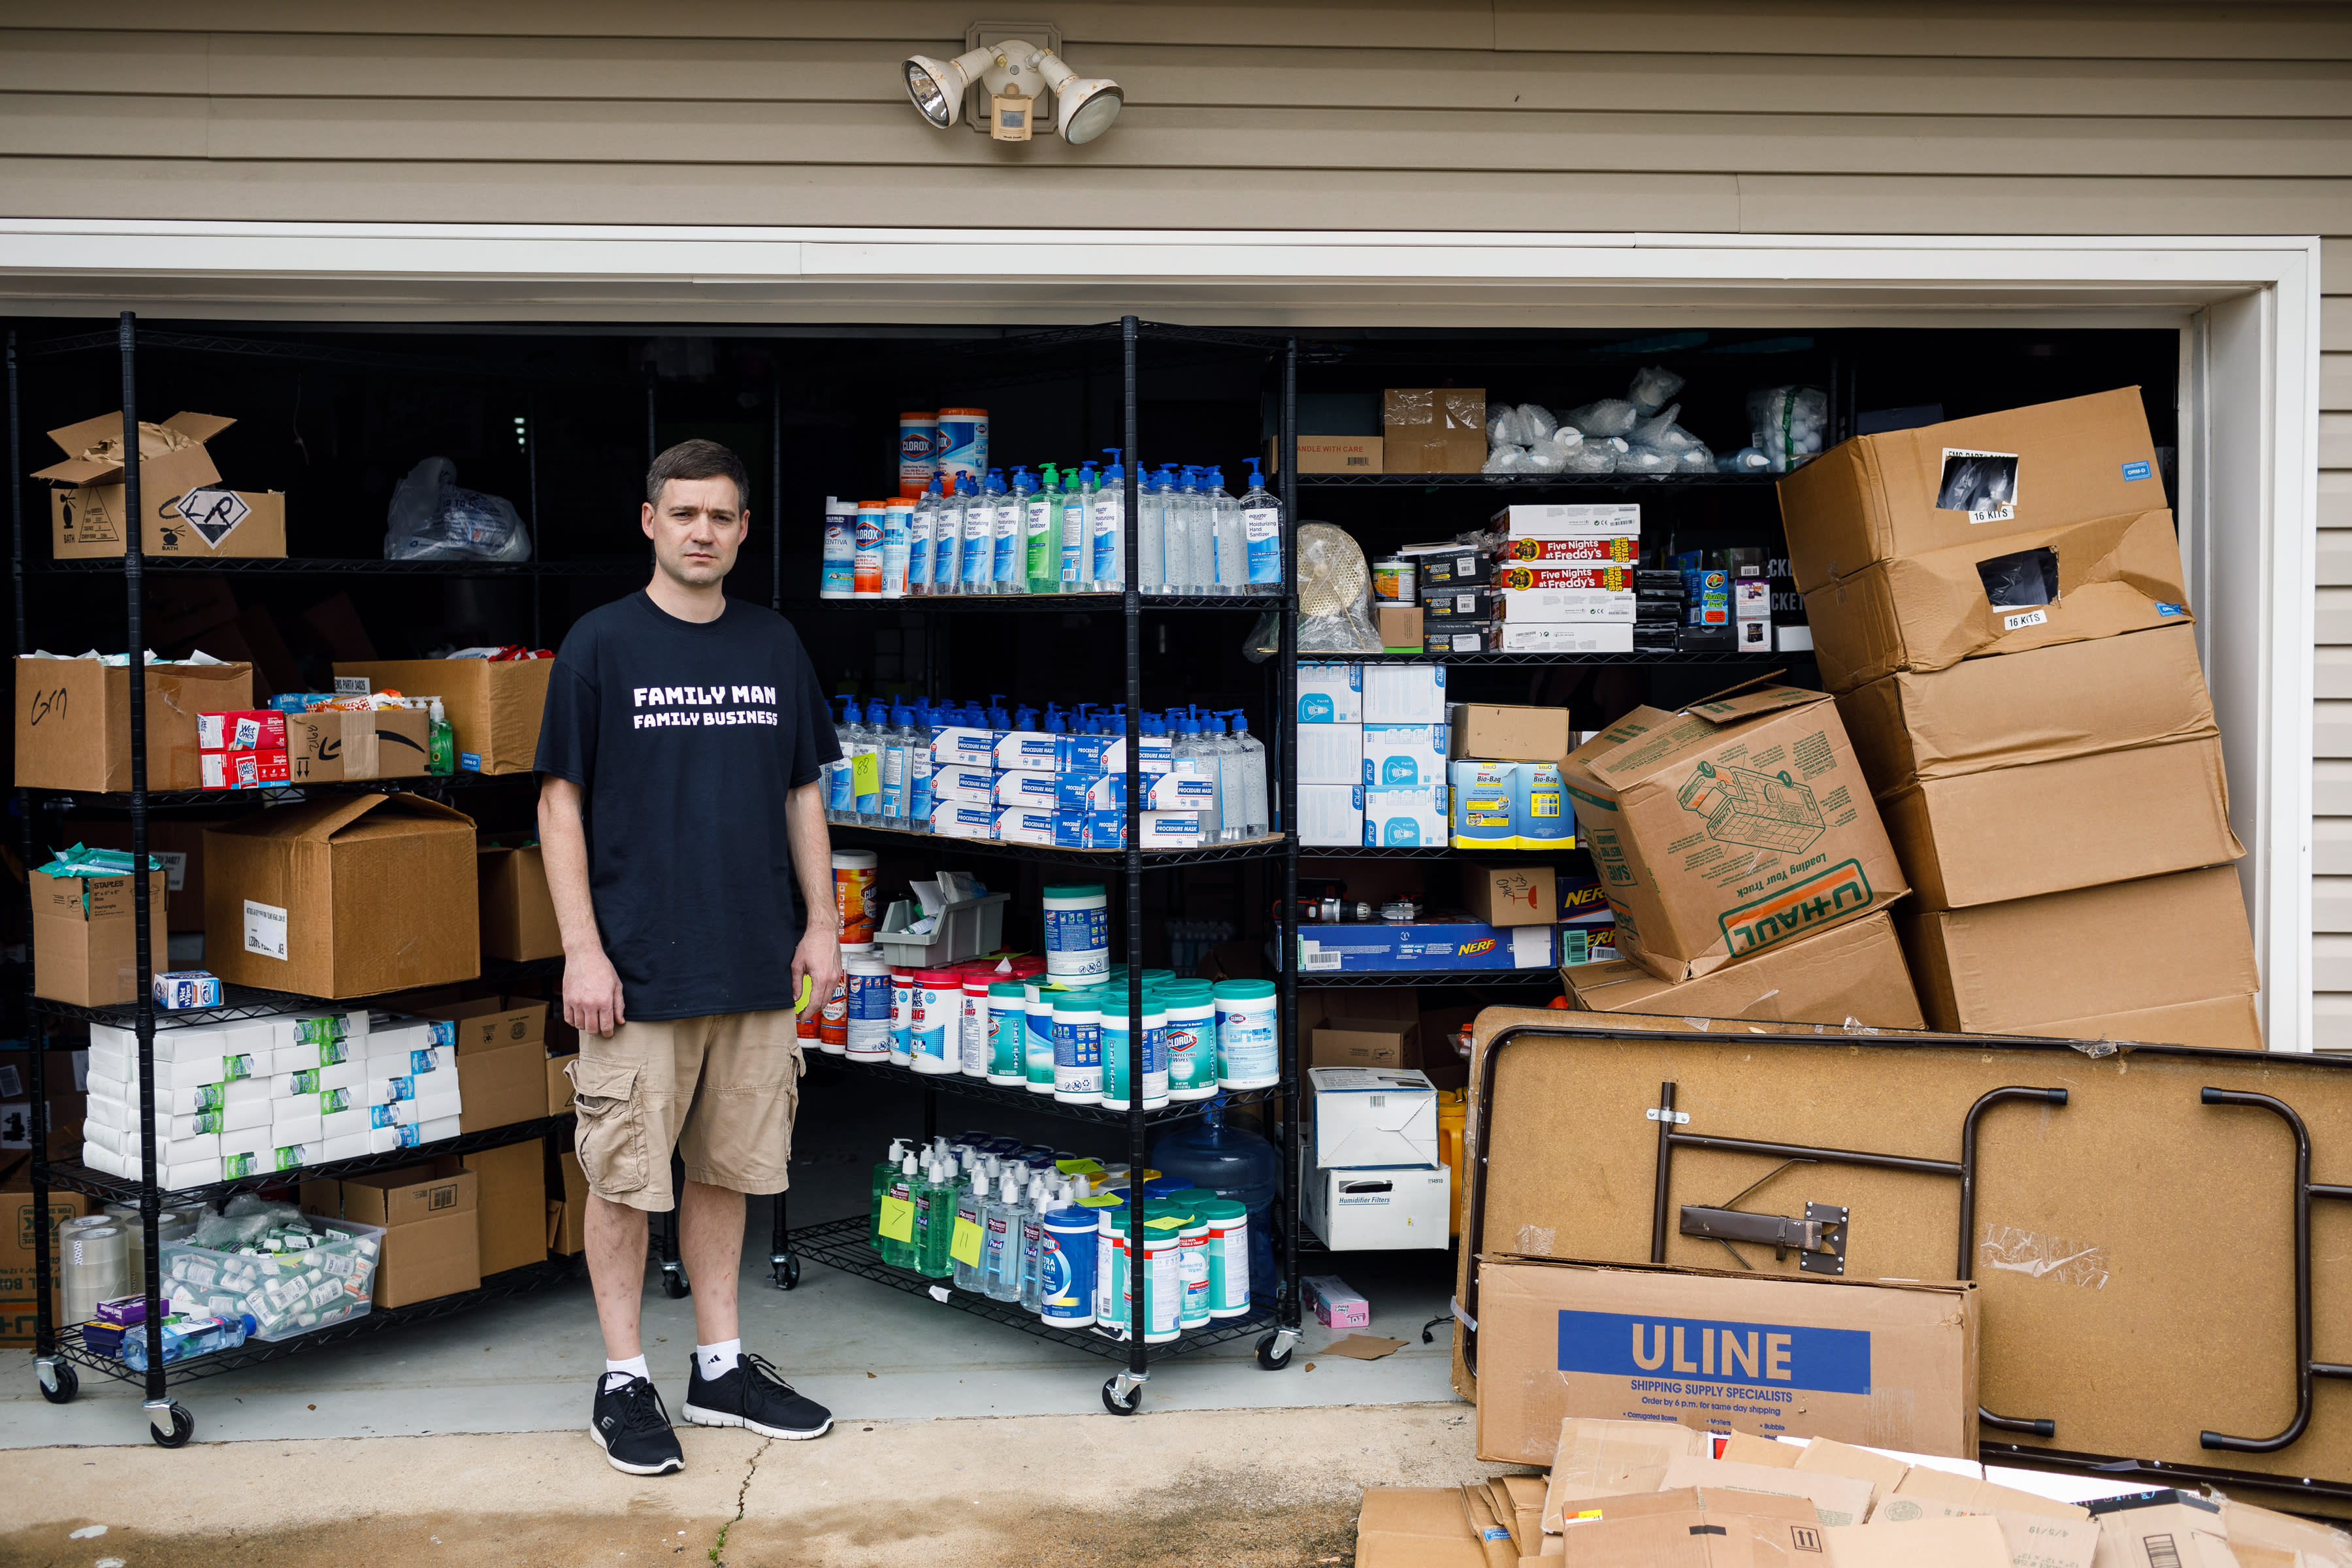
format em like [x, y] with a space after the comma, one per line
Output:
[1014, 74]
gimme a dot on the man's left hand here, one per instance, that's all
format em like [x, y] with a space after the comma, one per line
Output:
[818, 957]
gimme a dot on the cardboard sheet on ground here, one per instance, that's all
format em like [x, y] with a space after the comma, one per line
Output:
[1362, 1347]
[2091, 1244]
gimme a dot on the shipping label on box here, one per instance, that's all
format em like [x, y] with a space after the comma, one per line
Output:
[1404, 756]
[1330, 693]
[1873, 1362]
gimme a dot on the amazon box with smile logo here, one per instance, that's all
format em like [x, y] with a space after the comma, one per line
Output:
[1735, 825]
[1886, 1364]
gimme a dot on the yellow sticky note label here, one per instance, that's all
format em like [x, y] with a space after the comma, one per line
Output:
[1078, 1167]
[965, 1245]
[898, 1220]
[1099, 1201]
[1163, 1225]
[866, 772]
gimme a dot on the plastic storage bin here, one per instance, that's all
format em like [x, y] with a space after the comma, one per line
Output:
[233, 1283]
[963, 931]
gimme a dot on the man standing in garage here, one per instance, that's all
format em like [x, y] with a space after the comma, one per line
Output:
[679, 763]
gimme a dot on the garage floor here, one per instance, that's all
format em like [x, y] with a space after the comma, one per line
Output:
[865, 1351]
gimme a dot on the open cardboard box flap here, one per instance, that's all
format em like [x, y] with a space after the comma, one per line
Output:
[318, 821]
[93, 447]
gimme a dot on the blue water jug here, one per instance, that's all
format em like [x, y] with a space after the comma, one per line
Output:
[1235, 1164]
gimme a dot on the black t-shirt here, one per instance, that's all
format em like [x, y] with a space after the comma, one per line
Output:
[685, 737]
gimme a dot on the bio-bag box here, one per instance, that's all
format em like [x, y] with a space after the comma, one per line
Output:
[86, 935]
[2164, 959]
[73, 721]
[493, 706]
[1739, 823]
[1853, 971]
[1883, 1363]
[187, 513]
[347, 896]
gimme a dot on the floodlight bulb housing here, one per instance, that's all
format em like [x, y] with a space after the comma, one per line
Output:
[1086, 105]
[937, 88]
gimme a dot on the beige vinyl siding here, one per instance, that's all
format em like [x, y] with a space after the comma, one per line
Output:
[1839, 116]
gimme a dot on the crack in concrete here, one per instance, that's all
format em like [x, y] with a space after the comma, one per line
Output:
[741, 1493]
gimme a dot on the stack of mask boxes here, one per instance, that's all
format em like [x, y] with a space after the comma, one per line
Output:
[1372, 744]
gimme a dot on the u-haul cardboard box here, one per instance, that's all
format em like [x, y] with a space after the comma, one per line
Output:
[1738, 823]
[1885, 1363]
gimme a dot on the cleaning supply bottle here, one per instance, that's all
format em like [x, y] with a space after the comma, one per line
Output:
[840, 803]
[1260, 535]
[932, 1217]
[1078, 488]
[1194, 760]
[1226, 765]
[442, 758]
[1151, 558]
[946, 539]
[919, 766]
[1029, 499]
[1041, 1198]
[1004, 536]
[902, 1254]
[978, 535]
[1225, 527]
[921, 536]
[1001, 1245]
[892, 744]
[1257, 821]
[1110, 569]
[870, 730]
[883, 1174]
[969, 1200]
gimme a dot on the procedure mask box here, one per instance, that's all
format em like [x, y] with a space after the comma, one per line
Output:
[1023, 825]
[1404, 693]
[1028, 751]
[1330, 753]
[961, 746]
[969, 786]
[1331, 815]
[1330, 693]
[1404, 756]
[1396, 818]
[1180, 793]
[961, 819]
[1042, 792]
[1171, 830]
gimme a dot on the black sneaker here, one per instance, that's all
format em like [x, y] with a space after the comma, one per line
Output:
[633, 1428]
[750, 1395]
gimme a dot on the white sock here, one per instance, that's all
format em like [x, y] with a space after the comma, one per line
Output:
[633, 1367]
[716, 1361]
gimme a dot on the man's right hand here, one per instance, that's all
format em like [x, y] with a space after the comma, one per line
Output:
[591, 994]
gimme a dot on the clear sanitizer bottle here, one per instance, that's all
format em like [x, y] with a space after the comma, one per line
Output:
[1000, 1254]
[1150, 565]
[1005, 565]
[1225, 528]
[1110, 508]
[947, 542]
[921, 536]
[1261, 536]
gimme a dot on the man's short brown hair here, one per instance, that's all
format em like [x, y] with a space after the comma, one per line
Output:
[698, 459]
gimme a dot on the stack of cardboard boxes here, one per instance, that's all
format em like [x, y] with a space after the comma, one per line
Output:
[1998, 603]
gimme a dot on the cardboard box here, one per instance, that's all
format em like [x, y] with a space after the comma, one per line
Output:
[1435, 942]
[1329, 755]
[1372, 1119]
[1850, 971]
[1433, 430]
[1960, 484]
[1330, 816]
[1415, 1526]
[494, 708]
[1691, 1526]
[432, 1246]
[559, 1083]
[86, 935]
[1400, 625]
[19, 1292]
[1741, 822]
[1922, 1485]
[2161, 1529]
[2220, 1023]
[570, 1239]
[1405, 756]
[1836, 1499]
[1962, 1541]
[346, 895]
[1377, 1211]
[1349, 1042]
[1511, 895]
[73, 721]
[1562, 636]
[394, 742]
[1597, 1458]
[2110, 694]
[517, 911]
[1334, 1303]
[1489, 733]
[1397, 817]
[1330, 693]
[188, 514]
[1329, 455]
[1885, 1363]
[179, 843]
[2093, 579]
[1581, 520]
[493, 1023]
[510, 1204]
[2160, 943]
[502, 1087]
[2048, 828]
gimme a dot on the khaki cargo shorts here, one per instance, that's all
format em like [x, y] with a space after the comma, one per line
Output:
[720, 1090]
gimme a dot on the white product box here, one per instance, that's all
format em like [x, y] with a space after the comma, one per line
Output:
[397, 1037]
[965, 785]
[342, 1074]
[124, 1141]
[383, 1140]
[1400, 817]
[960, 819]
[1330, 693]
[1405, 756]
[1377, 1211]
[307, 1058]
[1470, 640]
[1754, 637]
[171, 1178]
[1028, 751]
[1373, 1119]
[1181, 792]
[300, 1130]
[1025, 825]
[193, 1073]
[171, 1044]
[415, 1112]
[1040, 791]
[1404, 694]
[428, 1061]
[339, 1124]
[343, 1146]
[182, 1102]
[1622, 521]
[119, 1118]
[961, 746]
[1330, 753]
[1565, 637]
[1752, 598]
[1169, 829]
[1520, 607]
[1330, 815]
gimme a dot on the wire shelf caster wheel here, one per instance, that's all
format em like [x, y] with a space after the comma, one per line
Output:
[675, 1284]
[59, 1381]
[182, 1427]
[787, 1270]
[1122, 1393]
[1274, 1351]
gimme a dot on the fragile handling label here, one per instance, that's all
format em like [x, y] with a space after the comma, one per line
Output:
[265, 930]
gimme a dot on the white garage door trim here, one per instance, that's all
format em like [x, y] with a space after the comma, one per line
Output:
[2249, 308]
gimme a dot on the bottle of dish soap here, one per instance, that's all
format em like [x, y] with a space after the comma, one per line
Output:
[442, 755]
